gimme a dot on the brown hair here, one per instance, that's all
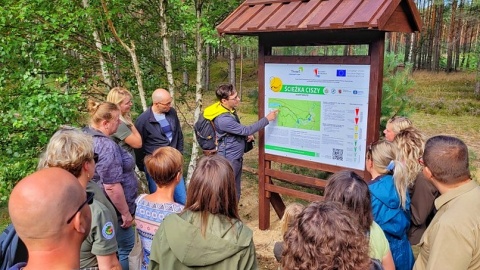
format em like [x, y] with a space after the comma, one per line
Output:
[224, 91]
[447, 159]
[164, 164]
[212, 190]
[325, 236]
[101, 111]
[349, 189]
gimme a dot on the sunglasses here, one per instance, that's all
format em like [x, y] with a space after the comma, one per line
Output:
[89, 200]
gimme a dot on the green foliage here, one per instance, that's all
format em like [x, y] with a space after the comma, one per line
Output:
[29, 116]
[397, 85]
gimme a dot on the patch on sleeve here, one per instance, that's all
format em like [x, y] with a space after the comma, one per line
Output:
[108, 231]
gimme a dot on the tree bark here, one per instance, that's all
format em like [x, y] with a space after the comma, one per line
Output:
[133, 55]
[198, 86]
[231, 63]
[451, 37]
[99, 45]
[167, 53]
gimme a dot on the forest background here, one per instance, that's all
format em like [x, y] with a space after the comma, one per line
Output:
[54, 55]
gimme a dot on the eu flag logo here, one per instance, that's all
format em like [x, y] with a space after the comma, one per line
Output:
[341, 73]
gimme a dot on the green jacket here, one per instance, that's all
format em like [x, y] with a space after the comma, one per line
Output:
[179, 244]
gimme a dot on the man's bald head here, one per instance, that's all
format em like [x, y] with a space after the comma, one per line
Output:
[161, 95]
[162, 101]
[41, 203]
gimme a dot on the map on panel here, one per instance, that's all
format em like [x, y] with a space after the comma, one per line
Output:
[323, 112]
[301, 114]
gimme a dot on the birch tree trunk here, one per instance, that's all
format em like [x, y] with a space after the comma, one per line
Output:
[133, 55]
[231, 63]
[99, 45]
[184, 53]
[167, 53]
[198, 86]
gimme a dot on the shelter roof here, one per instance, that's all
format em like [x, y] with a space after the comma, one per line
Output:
[254, 17]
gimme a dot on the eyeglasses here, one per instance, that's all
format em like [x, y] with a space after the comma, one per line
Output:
[164, 104]
[89, 200]
[95, 157]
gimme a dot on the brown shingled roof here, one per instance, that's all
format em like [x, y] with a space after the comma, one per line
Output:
[254, 17]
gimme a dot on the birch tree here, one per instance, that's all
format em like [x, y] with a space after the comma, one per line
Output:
[133, 55]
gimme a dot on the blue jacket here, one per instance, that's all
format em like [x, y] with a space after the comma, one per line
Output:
[393, 219]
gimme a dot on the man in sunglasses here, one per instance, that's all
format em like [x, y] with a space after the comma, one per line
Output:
[49, 210]
[452, 240]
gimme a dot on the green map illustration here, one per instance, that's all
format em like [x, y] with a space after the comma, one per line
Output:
[302, 114]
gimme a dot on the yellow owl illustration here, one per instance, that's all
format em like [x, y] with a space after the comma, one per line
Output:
[276, 84]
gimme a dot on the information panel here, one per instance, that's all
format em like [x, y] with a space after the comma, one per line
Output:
[323, 112]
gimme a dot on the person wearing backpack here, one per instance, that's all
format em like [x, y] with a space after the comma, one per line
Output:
[231, 135]
[12, 248]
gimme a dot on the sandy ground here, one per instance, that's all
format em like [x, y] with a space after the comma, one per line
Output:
[264, 240]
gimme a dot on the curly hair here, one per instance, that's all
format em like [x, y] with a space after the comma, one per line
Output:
[410, 143]
[399, 123]
[325, 236]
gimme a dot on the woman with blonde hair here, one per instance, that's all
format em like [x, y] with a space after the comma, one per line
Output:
[208, 234]
[114, 172]
[390, 199]
[71, 149]
[411, 143]
[325, 236]
[291, 212]
[395, 125]
[127, 136]
[165, 167]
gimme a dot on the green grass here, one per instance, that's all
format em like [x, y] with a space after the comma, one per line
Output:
[445, 94]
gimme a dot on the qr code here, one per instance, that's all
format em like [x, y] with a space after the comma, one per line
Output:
[337, 154]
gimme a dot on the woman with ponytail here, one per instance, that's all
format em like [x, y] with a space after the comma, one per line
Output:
[390, 200]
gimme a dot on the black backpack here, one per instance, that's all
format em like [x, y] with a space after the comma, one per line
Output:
[12, 249]
[205, 133]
